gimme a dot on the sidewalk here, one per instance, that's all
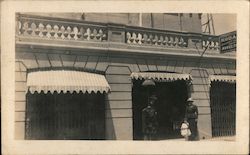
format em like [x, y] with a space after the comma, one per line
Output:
[225, 138]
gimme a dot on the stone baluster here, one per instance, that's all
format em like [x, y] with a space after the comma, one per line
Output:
[40, 29]
[212, 44]
[56, 29]
[33, 29]
[180, 44]
[144, 38]
[48, 28]
[52, 32]
[80, 33]
[45, 31]
[18, 27]
[203, 44]
[165, 42]
[150, 39]
[29, 30]
[176, 41]
[128, 35]
[87, 34]
[93, 34]
[170, 41]
[133, 38]
[139, 38]
[74, 33]
[104, 37]
[68, 32]
[60, 32]
[22, 30]
[155, 39]
[37, 31]
[99, 35]
[160, 41]
[208, 43]
[25, 28]
[216, 45]
[183, 43]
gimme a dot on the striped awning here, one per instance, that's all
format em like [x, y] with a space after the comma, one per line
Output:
[64, 81]
[160, 76]
[222, 78]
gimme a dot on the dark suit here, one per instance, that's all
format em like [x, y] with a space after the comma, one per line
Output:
[149, 123]
[192, 116]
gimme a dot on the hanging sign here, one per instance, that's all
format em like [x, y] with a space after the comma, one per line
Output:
[228, 42]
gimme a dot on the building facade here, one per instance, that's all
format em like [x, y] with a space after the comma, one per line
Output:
[79, 76]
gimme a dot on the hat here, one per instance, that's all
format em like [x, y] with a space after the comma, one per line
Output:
[190, 99]
[153, 97]
[148, 82]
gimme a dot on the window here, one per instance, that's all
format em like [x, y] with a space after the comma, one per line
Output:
[223, 108]
[65, 116]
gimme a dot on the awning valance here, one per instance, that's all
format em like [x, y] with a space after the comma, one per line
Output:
[160, 76]
[222, 78]
[66, 81]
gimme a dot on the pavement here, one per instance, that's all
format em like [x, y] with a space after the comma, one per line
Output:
[225, 138]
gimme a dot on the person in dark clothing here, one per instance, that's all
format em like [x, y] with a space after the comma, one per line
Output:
[149, 120]
[192, 116]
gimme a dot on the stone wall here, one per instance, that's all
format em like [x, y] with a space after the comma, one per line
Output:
[117, 68]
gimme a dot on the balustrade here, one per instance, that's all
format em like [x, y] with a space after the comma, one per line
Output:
[210, 42]
[57, 29]
[65, 29]
[156, 39]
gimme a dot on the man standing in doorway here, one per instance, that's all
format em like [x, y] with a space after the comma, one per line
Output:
[149, 120]
[192, 116]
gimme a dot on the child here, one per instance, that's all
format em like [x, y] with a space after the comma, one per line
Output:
[185, 131]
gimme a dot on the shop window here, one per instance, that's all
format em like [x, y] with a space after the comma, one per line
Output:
[223, 108]
[68, 116]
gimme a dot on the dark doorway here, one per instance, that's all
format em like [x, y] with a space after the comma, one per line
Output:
[65, 116]
[170, 107]
[223, 108]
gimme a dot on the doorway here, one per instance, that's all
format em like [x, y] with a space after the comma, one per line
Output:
[170, 107]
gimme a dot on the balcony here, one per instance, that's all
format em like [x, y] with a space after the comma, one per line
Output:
[39, 30]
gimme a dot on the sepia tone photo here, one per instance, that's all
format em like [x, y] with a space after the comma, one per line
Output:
[125, 76]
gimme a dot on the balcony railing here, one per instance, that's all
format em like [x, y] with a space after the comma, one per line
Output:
[64, 29]
[58, 29]
[151, 37]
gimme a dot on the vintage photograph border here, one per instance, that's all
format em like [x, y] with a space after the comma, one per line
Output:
[12, 146]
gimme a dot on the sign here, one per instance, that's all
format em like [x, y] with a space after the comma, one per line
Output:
[228, 42]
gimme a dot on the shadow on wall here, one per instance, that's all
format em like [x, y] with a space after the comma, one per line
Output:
[110, 129]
